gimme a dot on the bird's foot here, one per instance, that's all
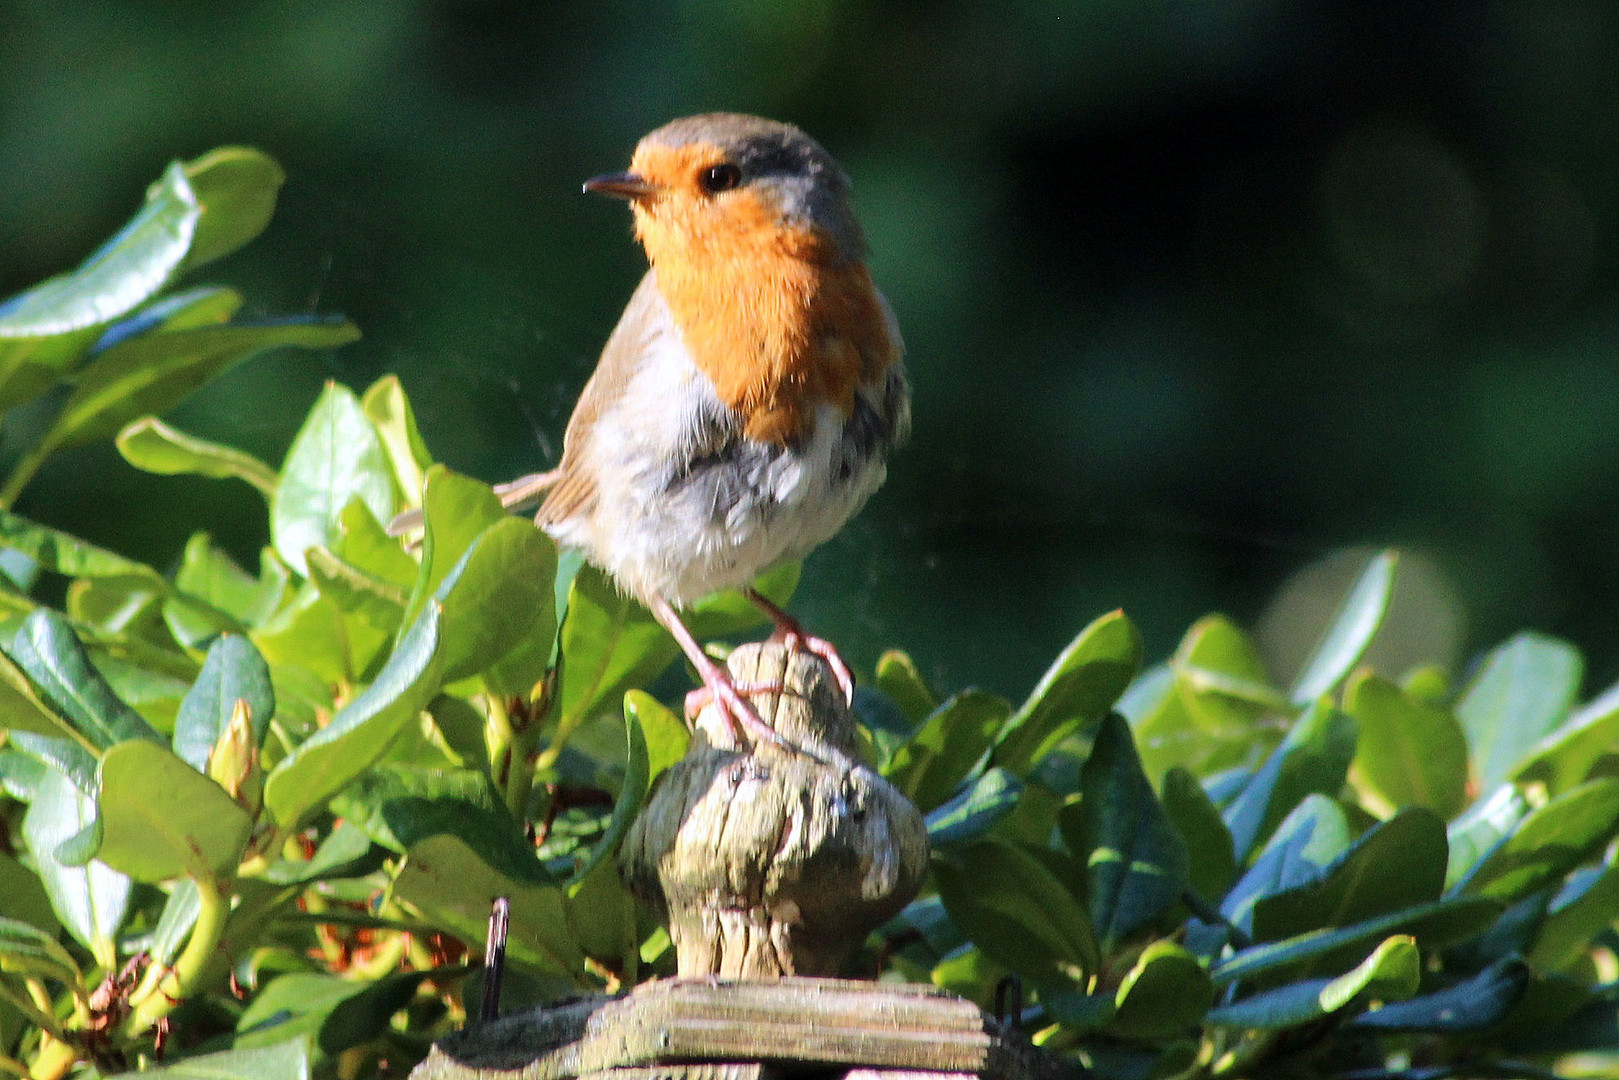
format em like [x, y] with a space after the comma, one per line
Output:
[791, 633]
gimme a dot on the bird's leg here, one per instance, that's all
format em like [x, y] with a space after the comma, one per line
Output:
[745, 721]
[791, 633]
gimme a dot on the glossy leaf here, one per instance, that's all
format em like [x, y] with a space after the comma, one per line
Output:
[1014, 909]
[122, 274]
[155, 371]
[1212, 863]
[631, 795]
[1521, 694]
[665, 734]
[1135, 860]
[28, 950]
[1551, 841]
[1165, 994]
[362, 729]
[1481, 829]
[945, 748]
[1309, 840]
[47, 649]
[1078, 689]
[1397, 864]
[1313, 759]
[66, 554]
[974, 810]
[1351, 631]
[498, 596]
[25, 710]
[89, 900]
[1410, 753]
[162, 819]
[233, 671]
[1586, 906]
[368, 546]
[609, 644]
[1565, 756]
[153, 446]
[330, 1012]
[1391, 973]
[336, 456]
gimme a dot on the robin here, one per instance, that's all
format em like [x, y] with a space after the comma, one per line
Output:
[744, 407]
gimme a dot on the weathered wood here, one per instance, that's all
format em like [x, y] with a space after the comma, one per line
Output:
[791, 1024]
[775, 861]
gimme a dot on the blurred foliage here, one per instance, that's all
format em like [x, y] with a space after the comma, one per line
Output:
[1195, 293]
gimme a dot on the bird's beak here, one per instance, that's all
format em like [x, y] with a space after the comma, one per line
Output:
[623, 185]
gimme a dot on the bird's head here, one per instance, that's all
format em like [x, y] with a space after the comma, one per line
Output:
[725, 185]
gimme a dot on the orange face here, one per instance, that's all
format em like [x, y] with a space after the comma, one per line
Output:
[767, 312]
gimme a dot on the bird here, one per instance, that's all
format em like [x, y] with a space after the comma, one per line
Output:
[746, 403]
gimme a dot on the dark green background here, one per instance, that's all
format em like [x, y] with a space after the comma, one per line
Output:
[1196, 293]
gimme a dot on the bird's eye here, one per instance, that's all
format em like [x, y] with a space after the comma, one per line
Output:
[721, 177]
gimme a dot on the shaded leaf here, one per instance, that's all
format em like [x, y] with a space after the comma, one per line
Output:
[1016, 910]
[898, 677]
[236, 188]
[1313, 759]
[1136, 862]
[331, 1013]
[609, 644]
[1165, 994]
[974, 810]
[1551, 841]
[1586, 905]
[946, 747]
[1212, 865]
[1467, 1006]
[1565, 756]
[47, 649]
[65, 553]
[1309, 840]
[1481, 829]
[1391, 973]
[29, 951]
[287, 1060]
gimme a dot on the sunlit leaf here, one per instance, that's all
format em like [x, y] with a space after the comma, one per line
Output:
[153, 446]
[1351, 631]
[336, 456]
[1522, 693]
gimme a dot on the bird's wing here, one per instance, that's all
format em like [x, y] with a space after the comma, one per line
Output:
[572, 488]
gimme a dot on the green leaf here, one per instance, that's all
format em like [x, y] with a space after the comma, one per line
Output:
[1551, 841]
[1345, 641]
[898, 677]
[154, 371]
[67, 554]
[236, 188]
[666, 734]
[47, 649]
[153, 446]
[1165, 994]
[25, 710]
[1077, 690]
[1585, 907]
[948, 745]
[974, 810]
[121, 275]
[728, 612]
[1565, 756]
[1136, 862]
[1017, 911]
[1522, 692]
[1475, 1003]
[1391, 973]
[287, 1060]
[1480, 830]
[234, 671]
[1432, 924]
[1397, 864]
[331, 1013]
[451, 885]
[1308, 840]
[1212, 866]
[387, 407]
[22, 897]
[162, 819]
[30, 951]
[309, 633]
[367, 545]
[1313, 759]
[362, 729]
[399, 806]
[631, 795]
[1412, 753]
[378, 603]
[609, 644]
[456, 510]
[336, 456]
[210, 577]
[90, 901]
[499, 595]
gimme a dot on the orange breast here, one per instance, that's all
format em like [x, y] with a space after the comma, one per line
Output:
[766, 316]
